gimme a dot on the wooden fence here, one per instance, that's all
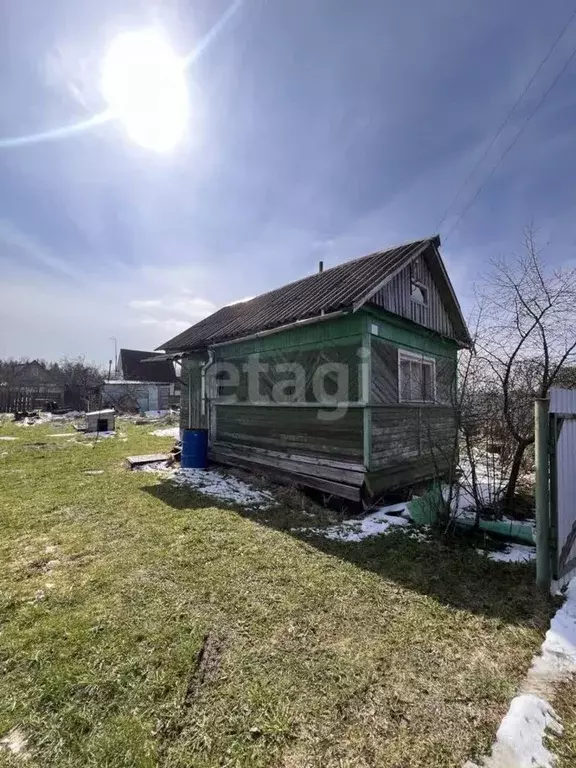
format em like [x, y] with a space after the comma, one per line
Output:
[12, 400]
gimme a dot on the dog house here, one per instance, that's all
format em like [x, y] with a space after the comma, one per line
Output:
[101, 421]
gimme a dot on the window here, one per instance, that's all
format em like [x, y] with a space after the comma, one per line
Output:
[416, 378]
[419, 293]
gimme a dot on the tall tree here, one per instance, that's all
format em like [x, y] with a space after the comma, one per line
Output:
[528, 338]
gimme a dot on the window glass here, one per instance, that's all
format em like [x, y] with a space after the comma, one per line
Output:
[416, 380]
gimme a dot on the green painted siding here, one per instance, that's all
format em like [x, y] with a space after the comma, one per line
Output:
[340, 330]
[407, 335]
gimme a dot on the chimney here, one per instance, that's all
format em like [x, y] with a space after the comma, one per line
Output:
[320, 267]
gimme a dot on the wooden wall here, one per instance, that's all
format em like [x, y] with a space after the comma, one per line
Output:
[410, 442]
[407, 433]
[384, 381]
[291, 429]
[274, 373]
[396, 297]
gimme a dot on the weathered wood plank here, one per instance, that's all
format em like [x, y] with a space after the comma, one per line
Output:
[150, 458]
[396, 297]
[313, 460]
[291, 465]
[306, 481]
[293, 430]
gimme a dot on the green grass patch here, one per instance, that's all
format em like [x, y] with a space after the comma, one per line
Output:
[144, 625]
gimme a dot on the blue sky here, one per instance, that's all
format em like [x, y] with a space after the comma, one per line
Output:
[320, 129]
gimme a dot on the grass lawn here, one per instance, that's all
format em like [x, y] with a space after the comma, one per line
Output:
[142, 625]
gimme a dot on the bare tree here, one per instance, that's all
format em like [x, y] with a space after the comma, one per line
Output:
[527, 340]
[82, 382]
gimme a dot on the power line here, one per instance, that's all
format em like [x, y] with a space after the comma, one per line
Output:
[512, 143]
[507, 118]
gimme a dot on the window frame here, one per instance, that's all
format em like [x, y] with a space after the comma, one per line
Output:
[414, 357]
[425, 293]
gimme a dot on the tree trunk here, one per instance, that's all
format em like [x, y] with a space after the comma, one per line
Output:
[514, 472]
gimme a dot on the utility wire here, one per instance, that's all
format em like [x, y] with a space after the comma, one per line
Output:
[506, 119]
[511, 145]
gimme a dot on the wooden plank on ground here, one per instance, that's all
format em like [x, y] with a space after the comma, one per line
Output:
[150, 458]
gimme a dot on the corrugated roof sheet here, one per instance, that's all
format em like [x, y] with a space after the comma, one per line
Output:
[133, 369]
[337, 288]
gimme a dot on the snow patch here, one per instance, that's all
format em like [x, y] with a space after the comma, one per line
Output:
[383, 520]
[167, 432]
[155, 466]
[225, 488]
[520, 737]
[512, 553]
[15, 741]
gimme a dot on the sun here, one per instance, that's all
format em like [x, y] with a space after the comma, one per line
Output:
[143, 82]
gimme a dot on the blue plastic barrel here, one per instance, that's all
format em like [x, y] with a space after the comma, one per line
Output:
[194, 449]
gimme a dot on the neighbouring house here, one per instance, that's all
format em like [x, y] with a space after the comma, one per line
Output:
[29, 386]
[142, 386]
[344, 381]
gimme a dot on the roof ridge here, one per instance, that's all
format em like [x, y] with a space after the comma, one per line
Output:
[432, 238]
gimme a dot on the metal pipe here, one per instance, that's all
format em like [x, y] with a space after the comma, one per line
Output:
[190, 396]
[542, 494]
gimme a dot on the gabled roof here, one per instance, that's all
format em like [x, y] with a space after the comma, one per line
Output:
[34, 371]
[133, 369]
[347, 286]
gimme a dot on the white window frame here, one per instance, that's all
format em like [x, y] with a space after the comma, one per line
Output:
[404, 354]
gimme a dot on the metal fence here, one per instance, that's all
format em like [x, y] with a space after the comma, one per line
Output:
[555, 452]
[562, 474]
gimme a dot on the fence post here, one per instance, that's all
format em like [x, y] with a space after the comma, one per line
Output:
[542, 493]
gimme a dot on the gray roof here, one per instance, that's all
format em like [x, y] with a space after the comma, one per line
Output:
[346, 286]
[134, 369]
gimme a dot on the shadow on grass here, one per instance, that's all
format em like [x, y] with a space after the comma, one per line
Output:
[448, 571]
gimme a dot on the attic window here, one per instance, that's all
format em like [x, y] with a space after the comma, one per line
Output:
[419, 293]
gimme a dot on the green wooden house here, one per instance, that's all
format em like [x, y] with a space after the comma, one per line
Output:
[344, 381]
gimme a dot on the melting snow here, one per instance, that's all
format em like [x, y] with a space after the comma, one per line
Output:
[383, 520]
[167, 432]
[520, 737]
[222, 487]
[14, 741]
[512, 553]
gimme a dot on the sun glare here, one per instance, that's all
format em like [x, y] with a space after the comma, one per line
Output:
[143, 82]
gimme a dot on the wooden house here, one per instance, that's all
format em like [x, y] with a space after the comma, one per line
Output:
[30, 386]
[343, 381]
